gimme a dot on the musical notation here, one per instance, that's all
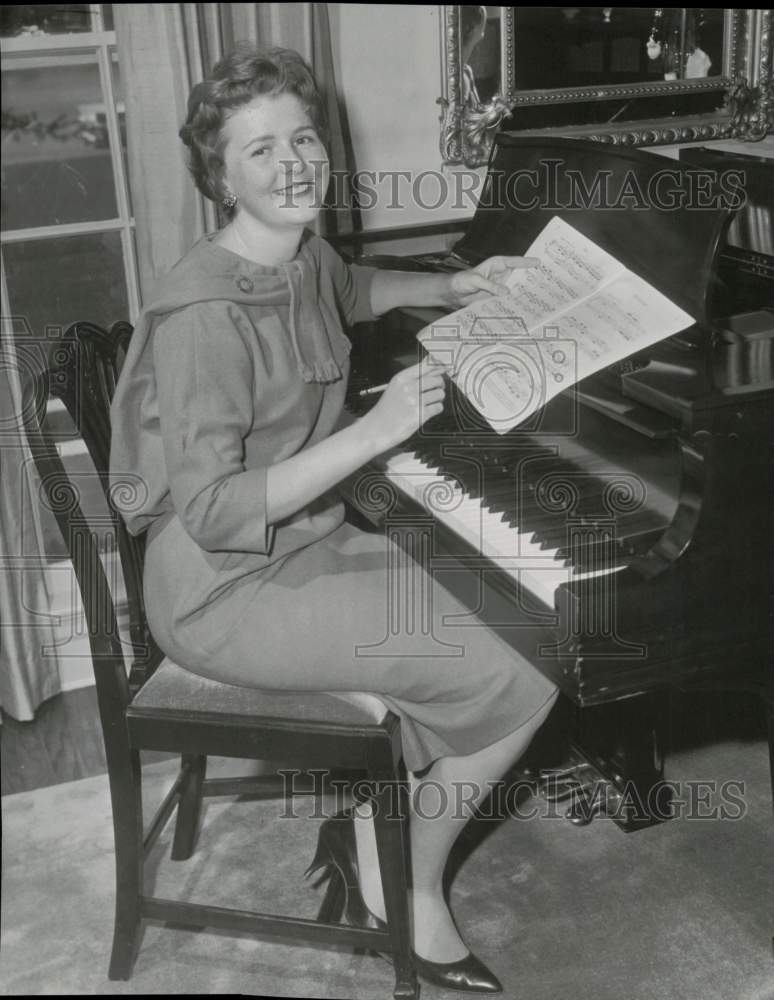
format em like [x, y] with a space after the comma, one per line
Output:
[579, 311]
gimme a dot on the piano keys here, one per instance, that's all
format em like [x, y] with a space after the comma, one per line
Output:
[622, 539]
[507, 499]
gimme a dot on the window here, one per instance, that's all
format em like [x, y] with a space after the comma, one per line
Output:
[67, 228]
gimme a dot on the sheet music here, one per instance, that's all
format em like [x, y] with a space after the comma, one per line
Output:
[577, 312]
[572, 268]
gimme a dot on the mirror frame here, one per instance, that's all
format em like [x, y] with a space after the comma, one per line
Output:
[747, 113]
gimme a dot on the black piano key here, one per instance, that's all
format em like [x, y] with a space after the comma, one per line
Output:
[512, 482]
[465, 473]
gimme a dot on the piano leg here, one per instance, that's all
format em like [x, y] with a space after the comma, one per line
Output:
[623, 742]
[769, 702]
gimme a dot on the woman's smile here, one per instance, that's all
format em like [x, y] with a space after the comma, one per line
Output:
[297, 188]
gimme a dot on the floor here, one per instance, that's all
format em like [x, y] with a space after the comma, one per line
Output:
[680, 911]
[63, 743]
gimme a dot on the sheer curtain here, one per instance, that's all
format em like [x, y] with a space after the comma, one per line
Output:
[163, 50]
[28, 664]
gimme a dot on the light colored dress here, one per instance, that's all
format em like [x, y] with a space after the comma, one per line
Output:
[236, 367]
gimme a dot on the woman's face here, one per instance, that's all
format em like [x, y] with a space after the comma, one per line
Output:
[274, 162]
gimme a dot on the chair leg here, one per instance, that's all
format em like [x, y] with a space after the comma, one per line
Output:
[392, 845]
[126, 796]
[189, 808]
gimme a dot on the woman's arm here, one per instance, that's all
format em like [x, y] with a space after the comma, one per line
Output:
[412, 397]
[393, 289]
[205, 379]
[205, 406]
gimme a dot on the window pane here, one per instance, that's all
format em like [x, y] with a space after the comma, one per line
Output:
[44, 19]
[58, 281]
[56, 153]
[107, 17]
[118, 94]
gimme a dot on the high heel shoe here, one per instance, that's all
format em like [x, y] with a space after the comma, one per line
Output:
[468, 975]
[336, 857]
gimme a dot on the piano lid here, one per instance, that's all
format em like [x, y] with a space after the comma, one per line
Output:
[662, 220]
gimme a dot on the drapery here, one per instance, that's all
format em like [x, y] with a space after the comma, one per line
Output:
[28, 667]
[163, 50]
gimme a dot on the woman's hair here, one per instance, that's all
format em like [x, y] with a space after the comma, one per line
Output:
[240, 76]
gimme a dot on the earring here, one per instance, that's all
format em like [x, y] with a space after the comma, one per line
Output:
[229, 200]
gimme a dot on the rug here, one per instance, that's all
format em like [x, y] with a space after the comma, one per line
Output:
[681, 911]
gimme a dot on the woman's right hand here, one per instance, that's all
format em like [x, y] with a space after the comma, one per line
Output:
[411, 398]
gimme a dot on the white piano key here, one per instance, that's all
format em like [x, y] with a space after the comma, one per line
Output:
[540, 570]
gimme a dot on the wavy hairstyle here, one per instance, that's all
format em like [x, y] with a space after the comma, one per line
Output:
[243, 74]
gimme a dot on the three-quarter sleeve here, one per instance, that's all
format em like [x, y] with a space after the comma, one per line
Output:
[205, 384]
[351, 285]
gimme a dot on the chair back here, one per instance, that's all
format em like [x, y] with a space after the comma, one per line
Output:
[83, 370]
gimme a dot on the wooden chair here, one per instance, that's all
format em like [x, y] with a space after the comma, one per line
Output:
[161, 706]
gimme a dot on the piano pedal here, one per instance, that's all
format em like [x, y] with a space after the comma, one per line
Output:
[605, 801]
[592, 795]
[559, 791]
[558, 783]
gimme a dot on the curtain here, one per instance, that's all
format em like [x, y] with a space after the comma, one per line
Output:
[163, 50]
[28, 666]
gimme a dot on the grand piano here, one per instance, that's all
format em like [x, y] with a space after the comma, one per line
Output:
[621, 539]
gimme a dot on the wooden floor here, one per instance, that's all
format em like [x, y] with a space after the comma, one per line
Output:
[63, 743]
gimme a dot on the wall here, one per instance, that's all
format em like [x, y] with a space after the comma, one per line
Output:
[388, 60]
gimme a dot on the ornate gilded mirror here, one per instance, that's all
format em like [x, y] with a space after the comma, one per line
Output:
[636, 76]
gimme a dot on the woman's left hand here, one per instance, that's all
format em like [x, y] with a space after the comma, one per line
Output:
[485, 280]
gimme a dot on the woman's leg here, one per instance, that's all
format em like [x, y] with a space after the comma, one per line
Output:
[435, 936]
[444, 700]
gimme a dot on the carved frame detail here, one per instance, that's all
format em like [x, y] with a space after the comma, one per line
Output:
[746, 84]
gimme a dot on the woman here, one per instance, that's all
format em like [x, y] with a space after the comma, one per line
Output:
[226, 409]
